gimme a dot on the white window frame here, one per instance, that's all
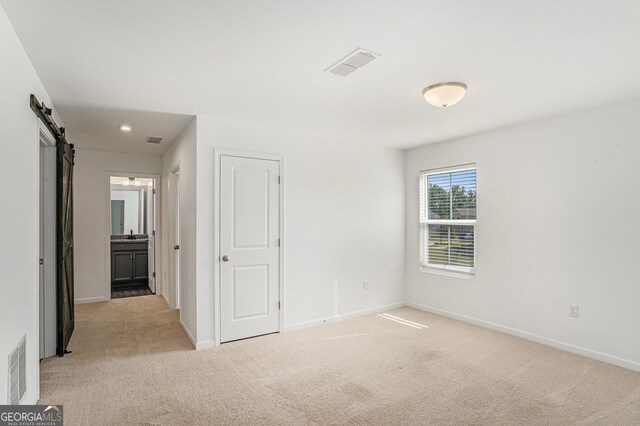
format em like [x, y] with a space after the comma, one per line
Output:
[424, 194]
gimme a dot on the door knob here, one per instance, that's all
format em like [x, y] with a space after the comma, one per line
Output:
[225, 258]
[176, 247]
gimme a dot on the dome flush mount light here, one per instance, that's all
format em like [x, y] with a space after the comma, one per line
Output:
[442, 95]
[125, 128]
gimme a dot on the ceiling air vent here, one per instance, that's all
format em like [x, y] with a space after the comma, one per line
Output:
[352, 62]
[153, 139]
[343, 69]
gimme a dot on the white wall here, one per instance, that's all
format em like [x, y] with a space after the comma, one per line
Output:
[182, 155]
[19, 221]
[344, 223]
[92, 210]
[557, 224]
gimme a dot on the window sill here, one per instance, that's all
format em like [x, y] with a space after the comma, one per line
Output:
[448, 272]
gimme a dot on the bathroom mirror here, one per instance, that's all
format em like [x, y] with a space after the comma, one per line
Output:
[129, 201]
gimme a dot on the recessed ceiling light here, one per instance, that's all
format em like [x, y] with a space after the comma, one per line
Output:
[444, 94]
[125, 128]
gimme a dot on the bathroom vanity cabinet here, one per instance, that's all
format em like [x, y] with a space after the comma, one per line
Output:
[129, 262]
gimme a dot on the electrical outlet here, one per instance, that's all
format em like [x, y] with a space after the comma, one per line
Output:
[365, 285]
[573, 311]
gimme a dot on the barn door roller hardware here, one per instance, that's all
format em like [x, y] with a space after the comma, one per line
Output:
[44, 114]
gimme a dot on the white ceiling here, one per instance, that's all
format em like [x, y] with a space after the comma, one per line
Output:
[263, 61]
[97, 128]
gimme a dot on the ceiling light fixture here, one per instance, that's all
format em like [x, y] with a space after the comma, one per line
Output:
[125, 128]
[443, 95]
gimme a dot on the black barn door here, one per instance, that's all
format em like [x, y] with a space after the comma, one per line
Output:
[64, 237]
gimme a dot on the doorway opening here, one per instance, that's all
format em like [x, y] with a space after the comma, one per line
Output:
[132, 236]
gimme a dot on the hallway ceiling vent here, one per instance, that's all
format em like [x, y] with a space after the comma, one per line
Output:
[18, 372]
[153, 139]
[352, 62]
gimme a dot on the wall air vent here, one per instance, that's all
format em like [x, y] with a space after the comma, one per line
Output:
[18, 372]
[153, 139]
[352, 62]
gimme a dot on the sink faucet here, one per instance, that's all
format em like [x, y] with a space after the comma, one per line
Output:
[131, 235]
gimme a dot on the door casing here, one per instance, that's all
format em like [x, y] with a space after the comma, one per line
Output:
[218, 153]
[174, 256]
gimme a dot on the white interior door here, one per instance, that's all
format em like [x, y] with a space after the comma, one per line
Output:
[151, 232]
[249, 247]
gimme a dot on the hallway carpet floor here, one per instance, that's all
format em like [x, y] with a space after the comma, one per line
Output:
[133, 364]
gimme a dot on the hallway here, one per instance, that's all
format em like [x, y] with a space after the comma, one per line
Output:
[117, 347]
[126, 327]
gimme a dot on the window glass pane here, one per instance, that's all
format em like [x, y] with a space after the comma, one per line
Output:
[463, 195]
[439, 187]
[438, 246]
[451, 245]
[462, 245]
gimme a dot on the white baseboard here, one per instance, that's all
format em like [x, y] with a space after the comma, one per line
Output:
[31, 398]
[589, 353]
[89, 300]
[166, 300]
[206, 344]
[188, 333]
[341, 317]
[197, 345]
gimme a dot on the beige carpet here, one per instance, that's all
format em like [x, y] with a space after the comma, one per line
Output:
[132, 364]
